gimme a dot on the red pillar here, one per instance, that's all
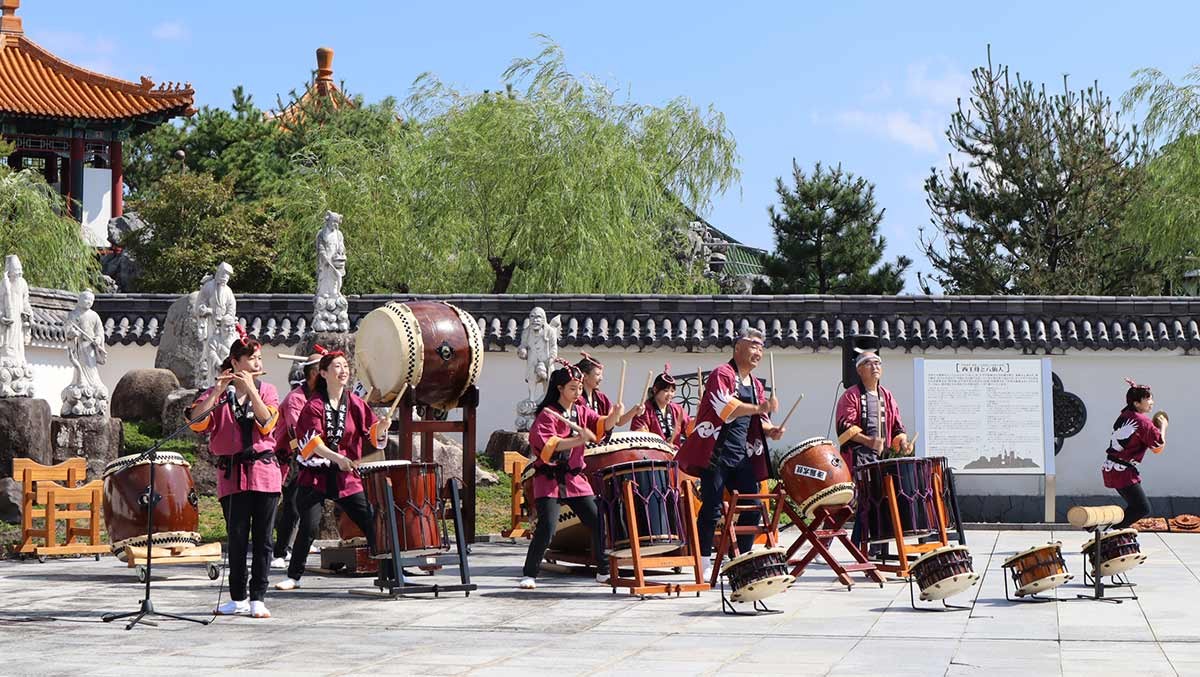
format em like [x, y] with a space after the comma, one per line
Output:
[118, 185]
[76, 171]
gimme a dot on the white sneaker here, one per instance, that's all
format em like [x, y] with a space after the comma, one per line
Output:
[708, 569]
[258, 609]
[279, 563]
[232, 608]
[527, 583]
[602, 577]
[287, 584]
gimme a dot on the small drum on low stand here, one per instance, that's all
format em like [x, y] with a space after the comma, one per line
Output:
[1038, 569]
[941, 573]
[176, 516]
[1119, 552]
[416, 496]
[814, 475]
[656, 508]
[753, 577]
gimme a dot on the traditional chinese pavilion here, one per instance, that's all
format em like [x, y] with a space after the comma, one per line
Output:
[70, 122]
[321, 91]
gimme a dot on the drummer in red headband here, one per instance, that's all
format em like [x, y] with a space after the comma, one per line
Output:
[1133, 433]
[662, 415]
[332, 430]
[240, 415]
[610, 417]
[560, 474]
[728, 448]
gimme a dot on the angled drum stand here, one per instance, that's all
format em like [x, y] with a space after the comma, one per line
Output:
[1098, 520]
[826, 526]
[903, 549]
[687, 556]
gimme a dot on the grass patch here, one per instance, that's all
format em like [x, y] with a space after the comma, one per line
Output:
[141, 435]
[212, 520]
[493, 506]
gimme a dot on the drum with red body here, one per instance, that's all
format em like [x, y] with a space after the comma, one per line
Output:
[416, 504]
[814, 474]
[432, 347]
[1038, 569]
[1119, 552]
[177, 514]
[623, 447]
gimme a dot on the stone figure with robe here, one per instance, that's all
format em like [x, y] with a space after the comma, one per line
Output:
[16, 314]
[539, 348]
[216, 320]
[330, 309]
[87, 395]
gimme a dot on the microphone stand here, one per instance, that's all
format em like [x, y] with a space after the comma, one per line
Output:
[150, 499]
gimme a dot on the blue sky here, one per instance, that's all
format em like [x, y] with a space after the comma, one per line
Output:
[867, 85]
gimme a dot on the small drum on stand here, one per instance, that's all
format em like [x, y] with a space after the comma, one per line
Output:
[913, 482]
[943, 572]
[1037, 569]
[417, 507]
[755, 576]
[814, 475]
[656, 508]
[176, 516]
[1119, 552]
[431, 346]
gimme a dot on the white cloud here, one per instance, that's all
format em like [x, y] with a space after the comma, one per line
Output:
[898, 126]
[941, 90]
[170, 30]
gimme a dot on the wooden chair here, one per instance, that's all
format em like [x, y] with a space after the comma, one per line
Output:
[41, 496]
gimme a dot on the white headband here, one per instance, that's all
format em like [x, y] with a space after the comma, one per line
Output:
[867, 357]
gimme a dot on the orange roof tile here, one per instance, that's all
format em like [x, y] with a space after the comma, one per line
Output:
[35, 83]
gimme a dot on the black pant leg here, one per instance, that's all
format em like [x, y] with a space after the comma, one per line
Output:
[359, 511]
[1137, 505]
[589, 515]
[547, 523]
[743, 481]
[285, 524]
[309, 502]
[712, 493]
[237, 529]
[262, 520]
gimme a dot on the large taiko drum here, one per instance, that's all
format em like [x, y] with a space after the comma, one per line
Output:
[415, 502]
[912, 480]
[177, 514]
[1119, 552]
[432, 347]
[814, 474]
[623, 447]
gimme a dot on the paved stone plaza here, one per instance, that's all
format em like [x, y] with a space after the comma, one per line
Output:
[49, 624]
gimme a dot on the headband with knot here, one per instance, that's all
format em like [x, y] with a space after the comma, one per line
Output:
[242, 336]
[589, 358]
[665, 376]
[1133, 384]
[573, 372]
[867, 357]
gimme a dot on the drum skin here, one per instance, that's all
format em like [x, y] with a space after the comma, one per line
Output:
[943, 572]
[814, 474]
[124, 516]
[623, 447]
[416, 496]
[433, 347]
[758, 574]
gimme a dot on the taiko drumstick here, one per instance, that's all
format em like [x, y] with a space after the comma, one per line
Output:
[646, 388]
[621, 387]
[789, 414]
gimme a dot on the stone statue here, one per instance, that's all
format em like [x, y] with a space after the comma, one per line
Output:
[16, 378]
[539, 348]
[216, 318]
[86, 396]
[329, 306]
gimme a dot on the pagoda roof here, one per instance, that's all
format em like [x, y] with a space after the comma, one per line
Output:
[321, 91]
[35, 83]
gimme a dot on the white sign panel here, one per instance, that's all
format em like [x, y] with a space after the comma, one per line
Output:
[987, 416]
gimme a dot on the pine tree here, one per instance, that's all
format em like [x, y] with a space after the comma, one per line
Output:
[827, 237]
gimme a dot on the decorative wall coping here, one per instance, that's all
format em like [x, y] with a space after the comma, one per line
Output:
[701, 322]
